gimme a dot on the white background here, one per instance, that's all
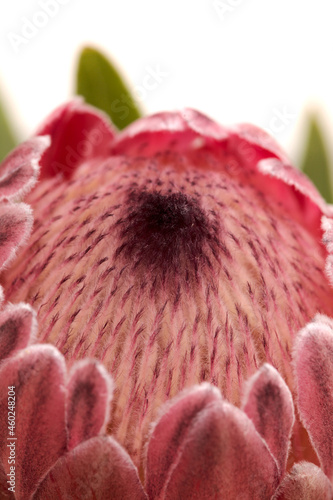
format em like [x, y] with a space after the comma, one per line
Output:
[235, 60]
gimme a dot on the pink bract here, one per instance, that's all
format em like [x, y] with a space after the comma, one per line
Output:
[181, 255]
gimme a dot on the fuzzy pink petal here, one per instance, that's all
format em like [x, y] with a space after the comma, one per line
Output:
[290, 186]
[89, 397]
[37, 373]
[268, 403]
[327, 227]
[313, 357]
[181, 131]
[1, 296]
[305, 481]
[297, 192]
[18, 326]
[177, 130]
[78, 133]
[20, 169]
[163, 447]
[279, 180]
[258, 138]
[15, 226]
[97, 469]
[214, 451]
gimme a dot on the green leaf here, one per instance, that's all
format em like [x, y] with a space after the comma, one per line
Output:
[100, 84]
[316, 163]
[7, 139]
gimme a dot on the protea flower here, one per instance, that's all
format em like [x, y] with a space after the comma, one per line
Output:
[188, 259]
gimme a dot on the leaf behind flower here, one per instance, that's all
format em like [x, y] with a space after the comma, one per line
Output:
[316, 163]
[99, 82]
[7, 138]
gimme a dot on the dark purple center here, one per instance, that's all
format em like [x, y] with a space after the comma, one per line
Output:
[165, 233]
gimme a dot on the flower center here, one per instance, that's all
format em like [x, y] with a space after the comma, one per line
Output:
[166, 235]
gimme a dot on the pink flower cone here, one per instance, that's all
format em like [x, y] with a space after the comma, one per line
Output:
[175, 253]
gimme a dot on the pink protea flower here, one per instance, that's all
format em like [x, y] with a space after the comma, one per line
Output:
[176, 252]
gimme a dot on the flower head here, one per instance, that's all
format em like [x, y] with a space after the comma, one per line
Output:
[176, 252]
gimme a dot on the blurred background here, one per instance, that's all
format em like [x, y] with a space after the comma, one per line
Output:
[259, 61]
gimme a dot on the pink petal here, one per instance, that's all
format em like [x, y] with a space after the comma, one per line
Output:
[78, 133]
[296, 192]
[15, 226]
[305, 482]
[20, 169]
[1, 296]
[313, 356]
[268, 403]
[277, 164]
[18, 326]
[204, 448]
[97, 469]
[259, 139]
[37, 373]
[90, 392]
[182, 131]
[163, 448]
[327, 227]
